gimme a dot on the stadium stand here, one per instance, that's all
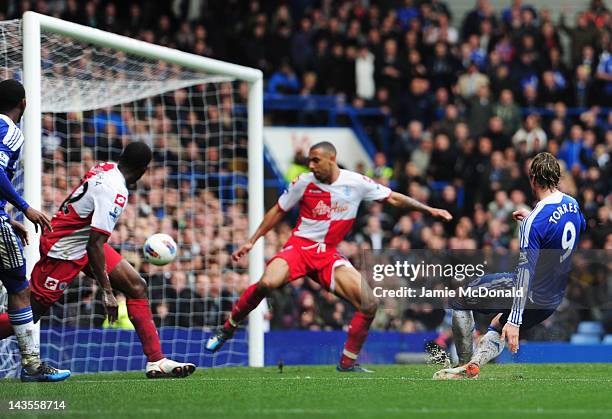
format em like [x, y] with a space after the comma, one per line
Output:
[457, 111]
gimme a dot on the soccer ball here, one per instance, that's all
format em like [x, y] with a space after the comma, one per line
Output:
[159, 249]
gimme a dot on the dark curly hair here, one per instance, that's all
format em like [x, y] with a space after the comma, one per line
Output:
[11, 95]
[545, 170]
[136, 155]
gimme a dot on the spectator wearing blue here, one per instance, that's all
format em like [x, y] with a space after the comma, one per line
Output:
[406, 13]
[102, 119]
[107, 125]
[477, 54]
[571, 148]
[284, 80]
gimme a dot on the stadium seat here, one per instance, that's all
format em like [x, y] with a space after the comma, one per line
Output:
[607, 340]
[580, 339]
[590, 328]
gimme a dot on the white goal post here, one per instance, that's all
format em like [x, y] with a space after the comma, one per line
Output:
[34, 24]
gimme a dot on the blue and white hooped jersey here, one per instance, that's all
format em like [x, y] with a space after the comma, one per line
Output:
[548, 238]
[11, 141]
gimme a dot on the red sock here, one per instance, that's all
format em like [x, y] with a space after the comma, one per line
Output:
[247, 303]
[357, 334]
[140, 316]
[441, 339]
[6, 329]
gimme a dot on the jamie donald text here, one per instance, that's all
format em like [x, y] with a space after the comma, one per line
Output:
[425, 292]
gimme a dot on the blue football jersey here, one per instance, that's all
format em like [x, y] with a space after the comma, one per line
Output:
[11, 141]
[548, 238]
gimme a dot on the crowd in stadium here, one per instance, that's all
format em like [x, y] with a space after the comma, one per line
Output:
[470, 99]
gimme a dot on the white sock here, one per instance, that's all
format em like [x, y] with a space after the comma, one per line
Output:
[25, 332]
[463, 329]
[489, 347]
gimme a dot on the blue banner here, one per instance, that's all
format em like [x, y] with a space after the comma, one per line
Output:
[98, 350]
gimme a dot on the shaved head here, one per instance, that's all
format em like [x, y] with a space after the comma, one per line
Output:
[326, 147]
[322, 162]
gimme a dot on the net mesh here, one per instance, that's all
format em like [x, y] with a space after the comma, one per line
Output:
[9, 351]
[10, 55]
[96, 100]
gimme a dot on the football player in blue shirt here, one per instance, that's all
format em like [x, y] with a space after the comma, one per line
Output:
[548, 236]
[12, 234]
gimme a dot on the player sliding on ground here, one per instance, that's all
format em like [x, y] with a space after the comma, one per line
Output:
[329, 198]
[12, 234]
[78, 243]
[548, 236]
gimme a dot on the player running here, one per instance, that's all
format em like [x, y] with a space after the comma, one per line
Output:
[329, 198]
[12, 234]
[548, 236]
[78, 243]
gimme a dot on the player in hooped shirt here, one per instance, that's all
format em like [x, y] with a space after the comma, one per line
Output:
[548, 236]
[329, 199]
[78, 243]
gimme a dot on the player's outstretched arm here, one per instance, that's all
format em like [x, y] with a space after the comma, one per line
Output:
[272, 217]
[399, 200]
[97, 264]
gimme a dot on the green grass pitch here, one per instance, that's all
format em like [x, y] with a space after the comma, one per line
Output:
[517, 391]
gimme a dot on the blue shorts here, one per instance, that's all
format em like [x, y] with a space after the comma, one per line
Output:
[12, 261]
[532, 316]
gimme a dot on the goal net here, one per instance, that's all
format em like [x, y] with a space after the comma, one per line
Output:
[94, 99]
